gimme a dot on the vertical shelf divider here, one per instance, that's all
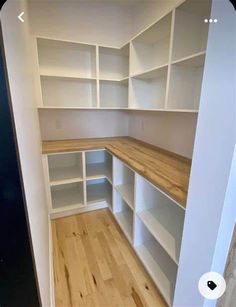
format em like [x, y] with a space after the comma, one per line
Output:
[169, 60]
[97, 76]
[84, 178]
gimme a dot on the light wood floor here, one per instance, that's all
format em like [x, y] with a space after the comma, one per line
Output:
[94, 265]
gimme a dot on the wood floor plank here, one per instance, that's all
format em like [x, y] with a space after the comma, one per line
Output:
[94, 265]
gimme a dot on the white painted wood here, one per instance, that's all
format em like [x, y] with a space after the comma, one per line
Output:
[123, 175]
[99, 190]
[148, 90]
[62, 58]
[71, 92]
[67, 195]
[127, 193]
[186, 82]
[191, 32]
[72, 210]
[65, 168]
[123, 215]
[98, 165]
[151, 48]
[114, 94]
[51, 264]
[114, 63]
[160, 267]
[97, 74]
[162, 217]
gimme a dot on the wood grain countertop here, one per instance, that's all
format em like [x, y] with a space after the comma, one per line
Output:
[166, 170]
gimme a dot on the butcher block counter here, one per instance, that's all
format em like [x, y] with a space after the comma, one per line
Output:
[166, 170]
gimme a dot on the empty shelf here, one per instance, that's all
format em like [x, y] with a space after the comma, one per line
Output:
[127, 193]
[62, 175]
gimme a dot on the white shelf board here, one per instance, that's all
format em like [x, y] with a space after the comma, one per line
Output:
[67, 197]
[65, 76]
[61, 175]
[97, 193]
[194, 60]
[163, 225]
[125, 220]
[154, 260]
[97, 171]
[151, 73]
[127, 193]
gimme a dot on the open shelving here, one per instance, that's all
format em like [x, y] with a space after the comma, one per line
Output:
[148, 90]
[68, 59]
[123, 181]
[67, 195]
[99, 190]
[123, 214]
[151, 48]
[114, 94]
[161, 216]
[157, 262]
[65, 168]
[98, 165]
[185, 83]
[190, 30]
[113, 63]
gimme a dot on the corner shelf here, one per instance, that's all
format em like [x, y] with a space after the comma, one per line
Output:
[99, 190]
[113, 94]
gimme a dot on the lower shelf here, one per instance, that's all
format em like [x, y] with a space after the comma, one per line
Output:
[67, 195]
[99, 190]
[160, 266]
[125, 220]
[127, 193]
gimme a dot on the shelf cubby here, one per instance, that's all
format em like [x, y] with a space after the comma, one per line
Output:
[123, 215]
[99, 190]
[114, 94]
[148, 90]
[123, 181]
[150, 49]
[162, 217]
[157, 262]
[190, 30]
[185, 83]
[62, 58]
[68, 92]
[67, 195]
[113, 63]
[65, 168]
[98, 165]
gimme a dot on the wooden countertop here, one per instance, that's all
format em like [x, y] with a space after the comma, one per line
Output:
[166, 170]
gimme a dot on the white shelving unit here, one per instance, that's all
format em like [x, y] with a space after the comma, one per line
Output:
[150, 49]
[161, 216]
[113, 63]
[151, 220]
[148, 90]
[123, 180]
[190, 30]
[154, 71]
[123, 214]
[159, 265]
[114, 94]
[67, 195]
[185, 82]
[98, 165]
[99, 191]
[66, 59]
[65, 168]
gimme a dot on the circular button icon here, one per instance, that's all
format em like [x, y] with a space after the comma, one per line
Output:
[211, 285]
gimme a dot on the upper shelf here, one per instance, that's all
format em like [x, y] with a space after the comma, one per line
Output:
[160, 69]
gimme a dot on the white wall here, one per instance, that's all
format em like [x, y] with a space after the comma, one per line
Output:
[171, 131]
[103, 22]
[72, 124]
[21, 76]
[212, 160]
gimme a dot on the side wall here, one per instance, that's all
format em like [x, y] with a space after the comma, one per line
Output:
[210, 191]
[19, 66]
